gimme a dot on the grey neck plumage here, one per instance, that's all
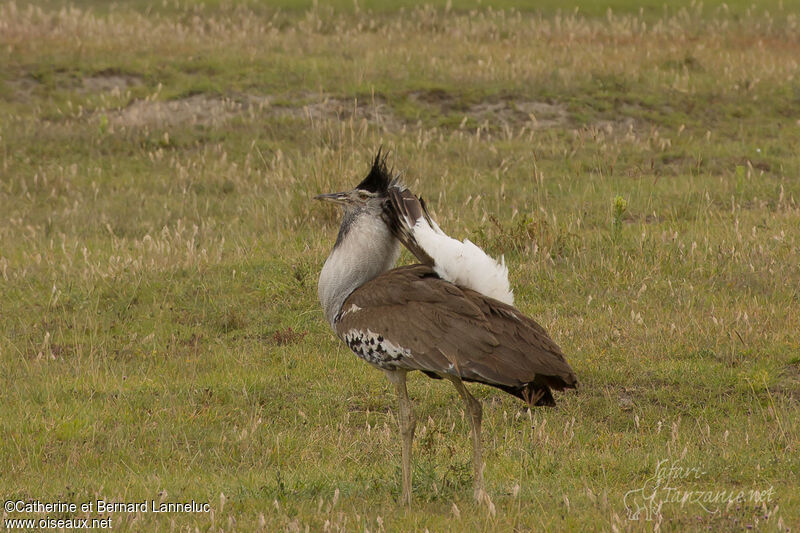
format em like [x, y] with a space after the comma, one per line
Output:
[364, 250]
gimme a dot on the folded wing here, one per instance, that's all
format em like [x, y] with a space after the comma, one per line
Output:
[439, 328]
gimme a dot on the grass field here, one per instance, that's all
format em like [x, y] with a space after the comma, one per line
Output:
[160, 336]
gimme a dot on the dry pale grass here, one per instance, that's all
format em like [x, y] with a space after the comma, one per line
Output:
[494, 47]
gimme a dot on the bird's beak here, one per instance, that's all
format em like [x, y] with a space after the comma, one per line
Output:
[335, 197]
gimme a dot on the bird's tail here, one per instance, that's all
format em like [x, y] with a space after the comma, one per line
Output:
[540, 396]
[462, 263]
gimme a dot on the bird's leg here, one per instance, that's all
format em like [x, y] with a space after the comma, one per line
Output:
[407, 425]
[475, 414]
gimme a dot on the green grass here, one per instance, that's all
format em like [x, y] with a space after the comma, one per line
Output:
[160, 336]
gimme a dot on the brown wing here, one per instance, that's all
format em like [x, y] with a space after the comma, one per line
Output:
[441, 328]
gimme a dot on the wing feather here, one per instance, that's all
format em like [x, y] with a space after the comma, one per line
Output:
[447, 329]
[401, 213]
[461, 262]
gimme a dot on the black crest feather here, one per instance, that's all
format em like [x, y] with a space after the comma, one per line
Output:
[378, 180]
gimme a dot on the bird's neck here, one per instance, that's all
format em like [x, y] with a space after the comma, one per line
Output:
[364, 251]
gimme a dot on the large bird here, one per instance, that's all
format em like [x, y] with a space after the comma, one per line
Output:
[451, 317]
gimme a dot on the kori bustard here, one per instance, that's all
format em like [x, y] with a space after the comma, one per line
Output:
[451, 316]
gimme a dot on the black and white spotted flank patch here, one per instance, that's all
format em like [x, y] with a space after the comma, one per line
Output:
[374, 348]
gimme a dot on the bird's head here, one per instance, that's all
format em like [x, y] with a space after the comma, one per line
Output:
[365, 246]
[367, 196]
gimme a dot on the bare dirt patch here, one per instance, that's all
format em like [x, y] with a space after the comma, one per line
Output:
[210, 110]
[196, 109]
[536, 115]
[22, 88]
[322, 107]
[498, 112]
[109, 82]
